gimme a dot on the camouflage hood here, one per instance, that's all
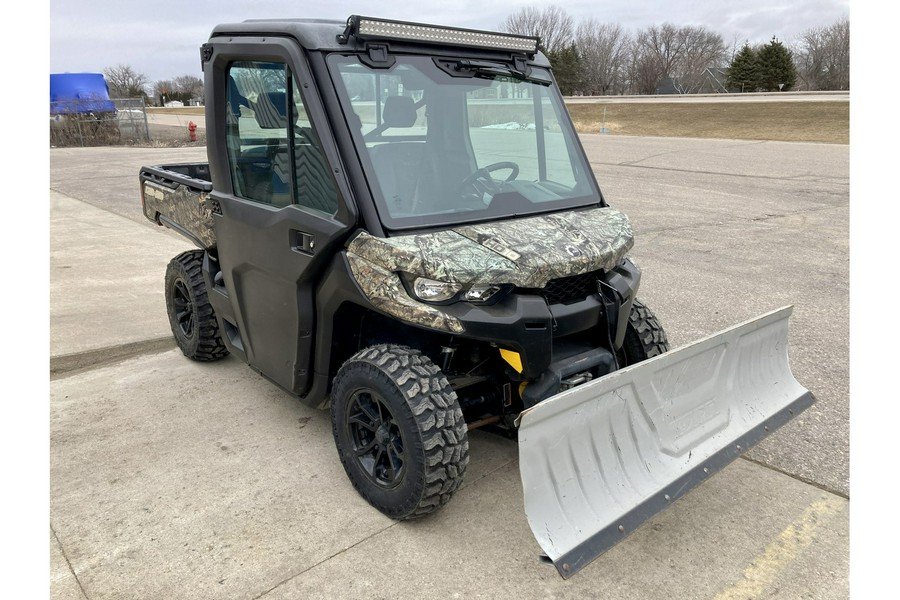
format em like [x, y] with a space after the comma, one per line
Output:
[526, 252]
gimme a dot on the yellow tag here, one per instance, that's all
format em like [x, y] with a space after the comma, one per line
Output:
[513, 358]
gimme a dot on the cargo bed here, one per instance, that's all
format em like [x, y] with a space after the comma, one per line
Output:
[178, 197]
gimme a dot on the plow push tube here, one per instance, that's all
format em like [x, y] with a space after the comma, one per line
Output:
[600, 459]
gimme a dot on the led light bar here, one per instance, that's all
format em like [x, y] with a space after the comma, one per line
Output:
[366, 28]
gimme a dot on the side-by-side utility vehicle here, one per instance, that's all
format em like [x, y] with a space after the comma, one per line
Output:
[398, 223]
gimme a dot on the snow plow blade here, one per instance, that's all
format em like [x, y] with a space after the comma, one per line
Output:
[601, 458]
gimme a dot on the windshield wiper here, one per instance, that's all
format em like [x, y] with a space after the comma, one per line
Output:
[520, 70]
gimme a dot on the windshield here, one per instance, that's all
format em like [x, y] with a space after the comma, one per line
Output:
[446, 142]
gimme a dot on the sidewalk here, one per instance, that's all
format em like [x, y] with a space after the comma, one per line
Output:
[106, 284]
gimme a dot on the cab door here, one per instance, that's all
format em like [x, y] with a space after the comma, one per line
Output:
[283, 211]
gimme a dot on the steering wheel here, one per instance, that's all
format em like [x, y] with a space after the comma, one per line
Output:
[482, 183]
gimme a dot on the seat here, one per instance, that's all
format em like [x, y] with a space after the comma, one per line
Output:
[270, 110]
[315, 185]
[268, 168]
[398, 165]
[398, 111]
[235, 100]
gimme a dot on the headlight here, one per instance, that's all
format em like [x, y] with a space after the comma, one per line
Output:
[445, 292]
[431, 290]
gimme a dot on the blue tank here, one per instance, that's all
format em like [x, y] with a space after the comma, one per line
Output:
[79, 93]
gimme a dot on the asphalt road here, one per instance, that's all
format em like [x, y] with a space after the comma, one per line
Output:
[172, 479]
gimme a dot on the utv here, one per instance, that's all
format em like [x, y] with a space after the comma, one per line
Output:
[398, 222]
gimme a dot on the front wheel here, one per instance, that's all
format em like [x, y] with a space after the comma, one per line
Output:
[644, 336]
[399, 430]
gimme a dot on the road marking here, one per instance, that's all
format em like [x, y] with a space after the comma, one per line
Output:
[761, 573]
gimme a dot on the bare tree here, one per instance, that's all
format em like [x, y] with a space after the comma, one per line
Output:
[700, 50]
[552, 24]
[736, 45]
[603, 49]
[184, 89]
[822, 57]
[665, 43]
[162, 90]
[680, 54]
[125, 82]
[645, 69]
[189, 86]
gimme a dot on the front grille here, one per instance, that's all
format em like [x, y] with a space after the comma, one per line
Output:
[566, 290]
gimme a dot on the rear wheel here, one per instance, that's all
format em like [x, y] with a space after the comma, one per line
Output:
[191, 317]
[644, 336]
[399, 431]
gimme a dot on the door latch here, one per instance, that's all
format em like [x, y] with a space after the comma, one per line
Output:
[302, 241]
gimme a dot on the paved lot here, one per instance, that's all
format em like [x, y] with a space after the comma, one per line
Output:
[171, 479]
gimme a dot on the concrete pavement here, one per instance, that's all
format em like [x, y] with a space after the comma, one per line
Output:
[173, 479]
[105, 291]
[729, 229]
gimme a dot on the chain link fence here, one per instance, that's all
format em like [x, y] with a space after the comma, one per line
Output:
[86, 122]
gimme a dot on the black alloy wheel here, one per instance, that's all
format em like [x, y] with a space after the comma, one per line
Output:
[184, 308]
[376, 438]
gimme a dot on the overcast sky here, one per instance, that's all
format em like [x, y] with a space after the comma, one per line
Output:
[161, 39]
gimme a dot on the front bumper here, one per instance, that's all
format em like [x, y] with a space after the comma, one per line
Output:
[550, 338]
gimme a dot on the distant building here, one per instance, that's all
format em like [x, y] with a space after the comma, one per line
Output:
[714, 82]
[666, 85]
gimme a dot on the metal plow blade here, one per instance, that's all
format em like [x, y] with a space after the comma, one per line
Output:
[601, 458]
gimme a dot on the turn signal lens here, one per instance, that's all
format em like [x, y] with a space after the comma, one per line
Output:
[481, 293]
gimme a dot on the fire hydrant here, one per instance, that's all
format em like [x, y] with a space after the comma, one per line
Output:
[192, 130]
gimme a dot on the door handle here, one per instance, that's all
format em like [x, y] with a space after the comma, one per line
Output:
[302, 241]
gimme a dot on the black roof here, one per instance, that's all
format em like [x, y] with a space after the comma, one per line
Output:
[313, 34]
[321, 34]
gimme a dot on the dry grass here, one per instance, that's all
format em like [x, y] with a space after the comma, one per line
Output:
[184, 110]
[827, 122]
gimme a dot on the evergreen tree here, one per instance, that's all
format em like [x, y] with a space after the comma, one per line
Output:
[566, 68]
[743, 74]
[776, 67]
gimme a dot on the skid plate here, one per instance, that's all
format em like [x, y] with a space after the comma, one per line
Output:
[600, 459]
